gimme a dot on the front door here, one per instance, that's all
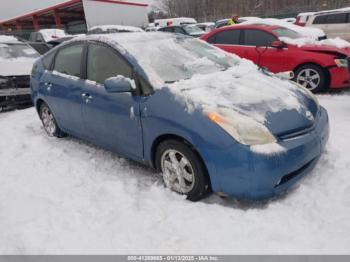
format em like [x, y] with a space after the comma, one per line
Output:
[110, 119]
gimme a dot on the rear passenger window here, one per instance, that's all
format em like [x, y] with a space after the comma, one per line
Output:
[104, 63]
[337, 18]
[228, 37]
[258, 38]
[319, 20]
[68, 60]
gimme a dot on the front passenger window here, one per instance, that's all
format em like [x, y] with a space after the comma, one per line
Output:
[68, 60]
[104, 63]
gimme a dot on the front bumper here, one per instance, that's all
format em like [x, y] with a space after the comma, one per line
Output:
[241, 173]
[339, 77]
[15, 91]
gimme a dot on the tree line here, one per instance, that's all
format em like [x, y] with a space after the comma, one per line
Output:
[211, 10]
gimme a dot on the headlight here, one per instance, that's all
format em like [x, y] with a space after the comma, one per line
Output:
[341, 62]
[308, 93]
[243, 129]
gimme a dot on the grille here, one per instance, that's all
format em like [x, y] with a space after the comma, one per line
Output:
[20, 81]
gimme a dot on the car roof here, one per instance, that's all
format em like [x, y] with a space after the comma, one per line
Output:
[251, 26]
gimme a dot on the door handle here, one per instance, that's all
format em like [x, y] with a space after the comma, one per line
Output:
[48, 86]
[87, 97]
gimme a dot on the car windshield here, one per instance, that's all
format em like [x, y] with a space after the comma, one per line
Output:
[15, 51]
[285, 32]
[176, 58]
[193, 29]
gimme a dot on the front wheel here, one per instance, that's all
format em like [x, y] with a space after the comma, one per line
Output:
[49, 122]
[182, 169]
[312, 77]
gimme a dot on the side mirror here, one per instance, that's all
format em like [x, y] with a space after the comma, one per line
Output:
[118, 84]
[278, 44]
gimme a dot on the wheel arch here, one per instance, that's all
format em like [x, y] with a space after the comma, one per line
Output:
[324, 69]
[165, 137]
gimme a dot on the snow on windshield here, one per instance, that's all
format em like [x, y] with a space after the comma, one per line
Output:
[169, 59]
[16, 51]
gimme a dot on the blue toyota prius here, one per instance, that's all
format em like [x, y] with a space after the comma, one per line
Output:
[207, 120]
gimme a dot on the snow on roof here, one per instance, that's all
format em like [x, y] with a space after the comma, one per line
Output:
[52, 34]
[8, 39]
[117, 27]
[333, 11]
[306, 14]
[309, 32]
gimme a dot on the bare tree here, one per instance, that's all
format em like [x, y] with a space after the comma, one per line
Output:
[210, 10]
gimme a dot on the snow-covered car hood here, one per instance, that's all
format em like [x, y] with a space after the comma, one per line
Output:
[266, 98]
[332, 45]
[16, 67]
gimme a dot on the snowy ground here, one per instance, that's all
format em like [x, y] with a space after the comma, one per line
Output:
[66, 196]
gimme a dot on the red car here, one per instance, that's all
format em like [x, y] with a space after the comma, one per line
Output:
[317, 67]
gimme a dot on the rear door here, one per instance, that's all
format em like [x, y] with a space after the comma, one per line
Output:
[229, 40]
[111, 119]
[62, 87]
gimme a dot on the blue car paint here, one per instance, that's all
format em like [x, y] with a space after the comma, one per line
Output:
[233, 168]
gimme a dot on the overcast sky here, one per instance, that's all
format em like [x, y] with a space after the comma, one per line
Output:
[12, 8]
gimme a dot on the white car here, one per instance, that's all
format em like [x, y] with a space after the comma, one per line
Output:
[47, 35]
[335, 23]
[16, 62]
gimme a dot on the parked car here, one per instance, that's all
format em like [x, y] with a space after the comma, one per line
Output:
[314, 33]
[47, 35]
[207, 120]
[302, 18]
[335, 24]
[206, 27]
[224, 22]
[290, 20]
[190, 30]
[16, 61]
[316, 67]
[221, 23]
[174, 21]
[110, 29]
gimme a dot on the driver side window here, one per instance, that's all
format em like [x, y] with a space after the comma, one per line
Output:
[103, 63]
[258, 38]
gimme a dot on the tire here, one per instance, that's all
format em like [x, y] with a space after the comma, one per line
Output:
[49, 122]
[313, 77]
[178, 162]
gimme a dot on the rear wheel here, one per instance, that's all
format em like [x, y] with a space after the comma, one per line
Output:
[312, 77]
[49, 122]
[182, 169]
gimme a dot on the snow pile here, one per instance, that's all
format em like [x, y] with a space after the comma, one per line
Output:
[308, 32]
[65, 196]
[268, 149]
[122, 28]
[52, 34]
[300, 42]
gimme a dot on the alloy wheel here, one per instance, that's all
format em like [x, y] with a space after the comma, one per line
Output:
[177, 171]
[309, 78]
